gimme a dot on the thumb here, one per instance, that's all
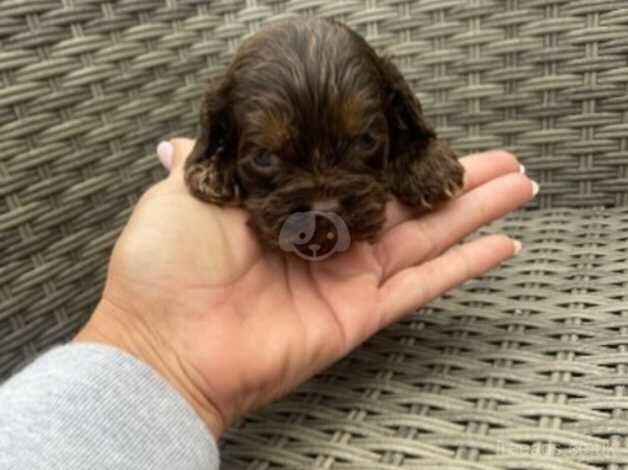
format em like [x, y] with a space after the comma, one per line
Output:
[173, 153]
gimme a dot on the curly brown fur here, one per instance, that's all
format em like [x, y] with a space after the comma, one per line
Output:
[308, 112]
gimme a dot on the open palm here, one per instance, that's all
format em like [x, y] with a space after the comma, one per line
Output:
[236, 324]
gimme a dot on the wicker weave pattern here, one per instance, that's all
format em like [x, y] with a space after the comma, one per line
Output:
[532, 354]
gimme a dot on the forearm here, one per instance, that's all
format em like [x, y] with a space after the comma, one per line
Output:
[91, 406]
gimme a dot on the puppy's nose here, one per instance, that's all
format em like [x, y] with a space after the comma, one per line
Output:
[326, 205]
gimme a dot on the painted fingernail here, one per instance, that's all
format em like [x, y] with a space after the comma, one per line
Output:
[518, 246]
[164, 152]
[535, 188]
[522, 169]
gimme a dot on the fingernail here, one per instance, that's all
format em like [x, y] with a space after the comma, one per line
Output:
[165, 151]
[518, 246]
[535, 188]
[522, 169]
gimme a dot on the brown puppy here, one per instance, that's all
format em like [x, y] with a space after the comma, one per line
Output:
[309, 118]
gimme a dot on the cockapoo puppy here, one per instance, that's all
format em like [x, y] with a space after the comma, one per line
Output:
[308, 118]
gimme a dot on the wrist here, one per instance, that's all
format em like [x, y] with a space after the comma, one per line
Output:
[116, 327]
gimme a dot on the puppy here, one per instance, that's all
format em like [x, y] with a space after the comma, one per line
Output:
[309, 119]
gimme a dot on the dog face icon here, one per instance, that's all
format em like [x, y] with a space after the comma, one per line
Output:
[314, 235]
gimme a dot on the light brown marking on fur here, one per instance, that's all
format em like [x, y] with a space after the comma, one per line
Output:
[274, 131]
[352, 114]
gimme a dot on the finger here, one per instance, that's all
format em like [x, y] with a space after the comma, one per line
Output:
[485, 166]
[172, 153]
[182, 148]
[419, 240]
[418, 285]
[479, 169]
[164, 153]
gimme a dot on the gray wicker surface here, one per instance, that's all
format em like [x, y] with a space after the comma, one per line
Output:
[534, 353]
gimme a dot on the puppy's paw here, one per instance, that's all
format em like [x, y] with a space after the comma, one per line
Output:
[452, 176]
[429, 179]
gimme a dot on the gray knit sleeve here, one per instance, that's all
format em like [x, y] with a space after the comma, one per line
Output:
[91, 406]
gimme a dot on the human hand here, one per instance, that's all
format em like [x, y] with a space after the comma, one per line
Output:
[233, 325]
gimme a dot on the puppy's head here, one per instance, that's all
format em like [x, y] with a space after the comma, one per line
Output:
[307, 118]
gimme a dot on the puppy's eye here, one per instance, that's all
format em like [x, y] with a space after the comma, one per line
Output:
[265, 161]
[367, 143]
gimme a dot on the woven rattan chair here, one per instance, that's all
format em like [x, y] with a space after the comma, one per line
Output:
[524, 368]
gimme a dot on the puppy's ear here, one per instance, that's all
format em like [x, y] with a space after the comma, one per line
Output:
[408, 127]
[422, 169]
[210, 170]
